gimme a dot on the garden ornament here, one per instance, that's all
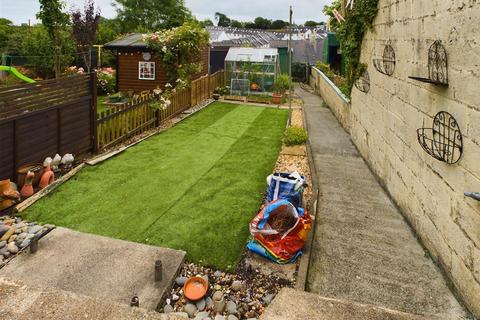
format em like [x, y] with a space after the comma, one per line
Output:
[48, 177]
[67, 161]
[8, 194]
[47, 162]
[56, 162]
[27, 189]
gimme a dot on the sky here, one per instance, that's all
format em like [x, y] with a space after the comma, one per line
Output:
[20, 11]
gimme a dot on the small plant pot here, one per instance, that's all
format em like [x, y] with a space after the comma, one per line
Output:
[277, 98]
[216, 96]
[195, 288]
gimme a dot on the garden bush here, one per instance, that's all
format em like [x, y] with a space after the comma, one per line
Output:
[295, 136]
[283, 83]
[106, 81]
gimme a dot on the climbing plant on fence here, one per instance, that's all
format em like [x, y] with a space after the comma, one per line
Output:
[179, 49]
[350, 32]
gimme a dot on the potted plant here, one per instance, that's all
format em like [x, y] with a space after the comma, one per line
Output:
[220, 91]
[282, 84]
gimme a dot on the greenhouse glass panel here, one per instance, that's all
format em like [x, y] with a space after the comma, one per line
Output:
[250, 71]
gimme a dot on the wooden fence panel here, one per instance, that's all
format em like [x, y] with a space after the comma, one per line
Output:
[122, 122]
[41, 119]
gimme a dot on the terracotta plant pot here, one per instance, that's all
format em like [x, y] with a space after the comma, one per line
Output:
[195, 288]
[48, 177]
[36, 168]
[277, 98]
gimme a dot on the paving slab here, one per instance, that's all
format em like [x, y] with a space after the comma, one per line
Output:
[21, 302]
[363, 250]
[292, 304]
[98, 267]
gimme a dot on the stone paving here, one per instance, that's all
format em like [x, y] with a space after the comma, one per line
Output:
[363, 249]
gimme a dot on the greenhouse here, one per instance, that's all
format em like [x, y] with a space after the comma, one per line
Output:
[250, 71]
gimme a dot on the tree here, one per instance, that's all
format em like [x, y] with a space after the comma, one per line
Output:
[223, 20]
[5, 31]
[54, 21]
[237, 24]
[37, 47]
[262, 23]
[279, 24]
[206, 23]
[108, 30]
[84, 30]
[311, 24]
[151, 15]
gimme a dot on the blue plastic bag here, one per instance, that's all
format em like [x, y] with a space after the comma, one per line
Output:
[288, 186]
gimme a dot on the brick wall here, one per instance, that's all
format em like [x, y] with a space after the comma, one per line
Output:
[383, 124]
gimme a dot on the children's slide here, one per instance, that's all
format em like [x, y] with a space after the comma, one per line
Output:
[17, 74]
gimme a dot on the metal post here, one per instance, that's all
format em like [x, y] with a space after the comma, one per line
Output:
[135, 302]
[34, 245]
[290, 67]
[158, 270]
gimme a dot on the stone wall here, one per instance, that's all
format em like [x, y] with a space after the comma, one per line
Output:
[383, 124]
[333, 97]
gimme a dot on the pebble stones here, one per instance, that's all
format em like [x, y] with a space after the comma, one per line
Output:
[232, 317]
[218, 302]
[238, 285]
[231, 307]
[3, 244]
[202, 315]
[12, 248]
[168, 308]
[219, 317]
[201, 304]
[181, 281]
[190, 309]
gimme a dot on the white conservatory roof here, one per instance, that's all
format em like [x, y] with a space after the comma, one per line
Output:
[252, 54]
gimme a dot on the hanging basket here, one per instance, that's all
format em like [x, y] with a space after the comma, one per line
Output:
[444, 140]
[437, 65]
[363, 83]
[386, 64]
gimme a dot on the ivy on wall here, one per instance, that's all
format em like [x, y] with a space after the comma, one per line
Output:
[358, 20]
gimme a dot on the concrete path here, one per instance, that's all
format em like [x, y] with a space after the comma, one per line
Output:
[99, 267]
[363, 249]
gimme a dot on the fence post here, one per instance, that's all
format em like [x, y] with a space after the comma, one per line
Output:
[93, 111]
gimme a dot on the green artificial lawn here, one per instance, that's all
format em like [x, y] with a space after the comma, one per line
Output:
[194, 187]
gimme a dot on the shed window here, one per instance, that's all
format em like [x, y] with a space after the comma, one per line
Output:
[146, 70]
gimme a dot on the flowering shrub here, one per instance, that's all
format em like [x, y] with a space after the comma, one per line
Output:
[73, 70]
[106, 81]
[164, 97]
[178, 49]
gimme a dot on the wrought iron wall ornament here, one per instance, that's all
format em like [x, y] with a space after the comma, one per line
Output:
[444, 140]
[437, 65]
[386, 64]
[363, 83]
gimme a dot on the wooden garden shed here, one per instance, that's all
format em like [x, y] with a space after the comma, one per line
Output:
[136, 65]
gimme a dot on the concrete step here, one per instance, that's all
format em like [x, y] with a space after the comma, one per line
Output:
[21, 302]
[292, 304]
[98, 267]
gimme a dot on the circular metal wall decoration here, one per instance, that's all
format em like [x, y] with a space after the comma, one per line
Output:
[437, 65]
[146, 56]
[363, 83]
[444, 141]
[386, 64]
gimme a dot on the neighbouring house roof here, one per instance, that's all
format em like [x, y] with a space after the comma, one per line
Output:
[252, 54]
[304, 51]
[129, 41]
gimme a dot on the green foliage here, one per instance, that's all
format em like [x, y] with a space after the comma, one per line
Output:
[223, 20]
[279, 24]
[283, 83]
[299, 72]
[223, 90]
[6, 27]
[325, 68]
[41, 51]
[311, 23]
[179, 49]
[350, 34]
[108, 30]
[206, 23]
[295, 136]
[147, 16]
[106, 81]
